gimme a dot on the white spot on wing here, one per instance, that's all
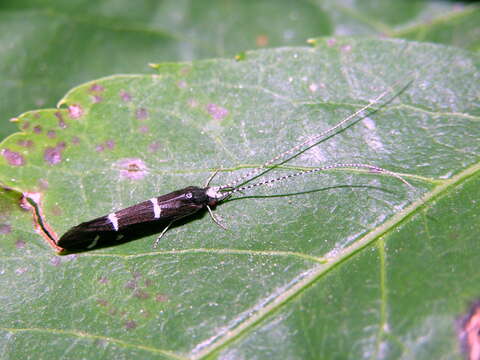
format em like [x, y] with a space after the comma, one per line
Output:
[113, 219]
[94, 242]
[156, 208]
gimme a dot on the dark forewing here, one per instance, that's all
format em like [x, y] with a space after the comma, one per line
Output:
[87, 234]
[139, 213]
[113, 227]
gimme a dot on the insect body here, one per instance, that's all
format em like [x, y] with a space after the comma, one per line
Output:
[166, 209]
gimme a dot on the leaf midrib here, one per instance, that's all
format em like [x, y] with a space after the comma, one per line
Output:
[340, 256]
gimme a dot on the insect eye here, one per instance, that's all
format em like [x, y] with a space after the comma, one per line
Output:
[188, 195]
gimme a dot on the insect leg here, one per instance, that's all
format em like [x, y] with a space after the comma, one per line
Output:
[211, 178]
[162, 233]
[215, 220]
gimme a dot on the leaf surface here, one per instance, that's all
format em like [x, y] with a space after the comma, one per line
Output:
[50, 46]
[343, 264]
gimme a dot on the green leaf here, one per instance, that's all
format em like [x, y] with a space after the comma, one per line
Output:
[50, 46]
[343, 265]
[459, 28]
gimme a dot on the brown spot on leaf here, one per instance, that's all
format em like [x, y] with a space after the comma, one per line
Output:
[216, 111]
[101, 343]
[56, 261]
[143, 129]
[130, 324]
[141, 114]
[5, 229]
[192, 103]
[53, 155]
[96, 88]
[161, 298]
[469, 332]
[56, 210]
[20, 244]
[75, 111]
[37, 129]
[51, 134]
[25, 143]
[131, 284]
[43, 184]
[154, 147]
[125, 96]
[140, 294]
[102, 302]
[185, 70]
[97, 99]
[13, 158]
[61, 122]
[25, 125]
[132, 168]
[75, 140]
[109, 144]
[261, 40]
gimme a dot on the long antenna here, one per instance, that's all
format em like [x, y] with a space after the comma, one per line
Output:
[372, 168]
[312, 141]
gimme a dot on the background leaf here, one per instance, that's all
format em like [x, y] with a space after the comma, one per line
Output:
[359, 266]
[50, 46]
